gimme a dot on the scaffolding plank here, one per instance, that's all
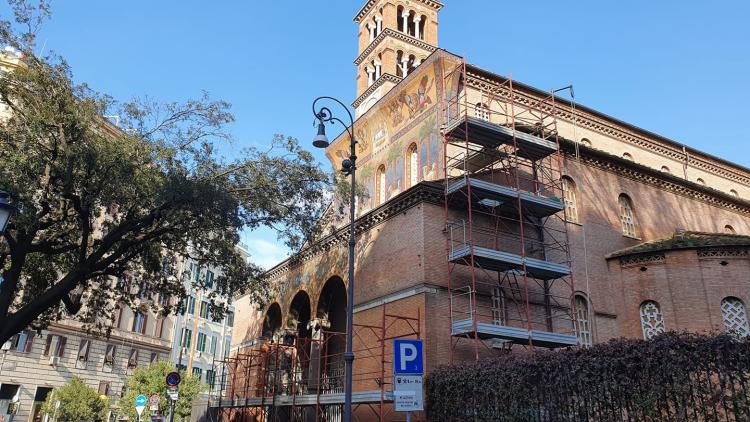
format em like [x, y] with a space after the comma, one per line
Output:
[533, 204]
[516, 335]
[371, 396]
[491, 135]
[503, 261]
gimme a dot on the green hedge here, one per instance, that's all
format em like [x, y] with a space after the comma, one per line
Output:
[674, 377]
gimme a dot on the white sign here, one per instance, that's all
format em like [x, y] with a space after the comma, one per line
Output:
[407, 393]
[139, 409]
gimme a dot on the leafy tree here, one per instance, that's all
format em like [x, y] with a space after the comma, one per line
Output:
[105, 209]
[151, 380]
[78, 402]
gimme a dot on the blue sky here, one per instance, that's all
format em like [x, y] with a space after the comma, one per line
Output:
[677, 68]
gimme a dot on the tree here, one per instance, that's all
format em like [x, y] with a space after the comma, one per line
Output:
[151, 380]
[78, 402]
[106, 209]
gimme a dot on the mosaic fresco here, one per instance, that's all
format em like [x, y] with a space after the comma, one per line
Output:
[406, 116]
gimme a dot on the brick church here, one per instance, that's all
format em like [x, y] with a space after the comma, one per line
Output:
[498, 218]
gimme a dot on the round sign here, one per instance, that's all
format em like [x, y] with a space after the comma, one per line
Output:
[173, 378]
[154, 399]
[140, 400]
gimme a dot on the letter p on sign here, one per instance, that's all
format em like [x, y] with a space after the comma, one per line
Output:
[407, 357]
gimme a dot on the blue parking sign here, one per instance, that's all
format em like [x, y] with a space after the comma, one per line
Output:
[407, 357]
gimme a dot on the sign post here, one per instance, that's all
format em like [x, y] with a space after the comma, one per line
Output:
[408, 370]
[173, 380]
[140, 404]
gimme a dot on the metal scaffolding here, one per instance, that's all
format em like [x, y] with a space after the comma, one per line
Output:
[509, 273]
[293, 378]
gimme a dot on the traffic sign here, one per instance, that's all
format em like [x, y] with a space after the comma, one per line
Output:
[173, 379]
[140, 403]
[153, 402]
[140, 400]
[407, 393]
[407, 357]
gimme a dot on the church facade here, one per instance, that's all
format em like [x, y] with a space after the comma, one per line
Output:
[497, 218]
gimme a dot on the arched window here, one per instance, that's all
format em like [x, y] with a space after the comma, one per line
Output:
[412, 164]
[411, 64]
[586, 142]
[399, 14]
[422, 24]
[583, 323]
[701, 181]
[729, 229]
[735, 316]
[734, 193]
[570, 199]
[665, 169]
[400, 66]
[410, 24]
[627, 156]
[380, 181]
[481, 111]
[652, 320]
[627, 216]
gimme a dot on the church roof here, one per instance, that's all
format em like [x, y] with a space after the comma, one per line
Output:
[684, 240]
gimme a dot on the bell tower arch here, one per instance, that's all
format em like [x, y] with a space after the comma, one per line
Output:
[395, 36]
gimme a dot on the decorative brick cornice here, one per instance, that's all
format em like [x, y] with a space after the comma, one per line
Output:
[643, 259]
[434, 4]
[723, 253]
[431, 192]
[385, 77]
[529, 96]
[388, 32]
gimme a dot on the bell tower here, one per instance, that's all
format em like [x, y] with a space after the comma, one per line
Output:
[395, 36]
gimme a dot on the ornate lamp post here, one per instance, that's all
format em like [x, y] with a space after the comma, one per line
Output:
[348, 167]
[6, 210]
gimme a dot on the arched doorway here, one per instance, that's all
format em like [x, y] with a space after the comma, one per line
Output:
[272, 321]
[331, 311]
[332, 304]
[299, 314]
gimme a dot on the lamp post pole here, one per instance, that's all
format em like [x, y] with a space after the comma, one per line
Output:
[349, 167]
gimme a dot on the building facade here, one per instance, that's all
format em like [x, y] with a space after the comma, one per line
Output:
[35, 363]
[498, 217]
[200, 337]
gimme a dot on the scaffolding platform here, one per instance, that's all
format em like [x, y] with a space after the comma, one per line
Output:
[491, 135]
[503, 261]
[516, 335]
[373, 396]
[536, 205]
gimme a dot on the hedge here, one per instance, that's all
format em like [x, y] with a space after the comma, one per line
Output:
[673, 377]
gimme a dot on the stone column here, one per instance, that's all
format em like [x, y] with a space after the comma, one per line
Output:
[417, 20]
[405, 15]
[404, 66]
[378, 69]
[378, 25]
[371, 29]
[370, 76]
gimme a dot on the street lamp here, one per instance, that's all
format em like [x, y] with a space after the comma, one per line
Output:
[348, 167]
[6, 210]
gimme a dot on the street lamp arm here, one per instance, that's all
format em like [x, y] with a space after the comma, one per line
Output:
[325, 113]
